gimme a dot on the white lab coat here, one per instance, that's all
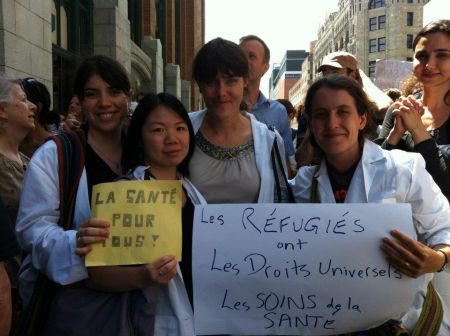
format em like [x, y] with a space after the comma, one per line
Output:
[386, 177]
[174, 315]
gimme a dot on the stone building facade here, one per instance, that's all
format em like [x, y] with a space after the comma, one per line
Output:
[155, 40]
[371, 30]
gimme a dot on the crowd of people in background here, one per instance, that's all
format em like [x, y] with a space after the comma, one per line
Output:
[349, 146]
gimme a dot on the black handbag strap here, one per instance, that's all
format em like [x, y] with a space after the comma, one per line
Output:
[276, 155]
[275, 174]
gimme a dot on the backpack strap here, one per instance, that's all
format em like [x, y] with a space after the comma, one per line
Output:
[71, 155]
[431, 316]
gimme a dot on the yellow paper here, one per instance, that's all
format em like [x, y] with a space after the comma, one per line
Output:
[145, 222]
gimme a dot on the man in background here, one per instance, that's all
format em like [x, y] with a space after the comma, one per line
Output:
[265, 110]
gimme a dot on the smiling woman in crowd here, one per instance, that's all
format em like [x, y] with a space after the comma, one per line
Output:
[232, 157]
[355, 170]
[56, 200]
[157, 296]
[420, 122]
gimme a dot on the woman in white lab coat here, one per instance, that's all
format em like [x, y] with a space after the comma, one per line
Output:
[355, 170]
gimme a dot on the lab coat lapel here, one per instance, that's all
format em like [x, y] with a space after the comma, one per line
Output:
[324, 184]
[370, 173]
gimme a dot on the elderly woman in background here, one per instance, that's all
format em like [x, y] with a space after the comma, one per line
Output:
[232, 157]
[17, 115]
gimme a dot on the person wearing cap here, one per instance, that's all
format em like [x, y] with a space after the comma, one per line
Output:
[267, 111]
[342, 63]
[346, 64]
[336, 63]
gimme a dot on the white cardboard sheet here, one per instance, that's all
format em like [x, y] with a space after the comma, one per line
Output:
[285, 269]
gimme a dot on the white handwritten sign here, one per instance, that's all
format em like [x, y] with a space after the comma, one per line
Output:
[284, 269]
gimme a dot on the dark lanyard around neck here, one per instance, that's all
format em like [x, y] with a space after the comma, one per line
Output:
[148, 175]
[314, 195]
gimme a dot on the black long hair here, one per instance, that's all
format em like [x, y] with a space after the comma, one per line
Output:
[133, 153]
[38, 94]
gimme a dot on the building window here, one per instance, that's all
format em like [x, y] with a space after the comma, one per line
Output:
[409, 1]
[382, 22]
[372, 45]
[409, 59]
[409, 18]
[377, 4]
[409, 41]
[73, 39]
[382, 44]
[134, 15]
[373, 24]
[372, 65]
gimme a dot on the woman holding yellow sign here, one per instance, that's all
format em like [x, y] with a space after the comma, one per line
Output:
[159, 146]
[55, 201]
[355, 170]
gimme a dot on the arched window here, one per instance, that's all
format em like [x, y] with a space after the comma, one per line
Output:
[377, 4]
[72, 37]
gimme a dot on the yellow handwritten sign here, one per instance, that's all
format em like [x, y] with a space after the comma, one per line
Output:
[145, 222]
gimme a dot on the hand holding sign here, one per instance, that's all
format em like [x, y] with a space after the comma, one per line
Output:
[91, 232]
[162, 270]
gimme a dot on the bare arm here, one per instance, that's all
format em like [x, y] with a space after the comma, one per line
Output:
[121, 278]
[412, 257]
[5, 302]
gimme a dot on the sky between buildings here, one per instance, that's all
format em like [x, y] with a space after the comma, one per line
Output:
[282, 24]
